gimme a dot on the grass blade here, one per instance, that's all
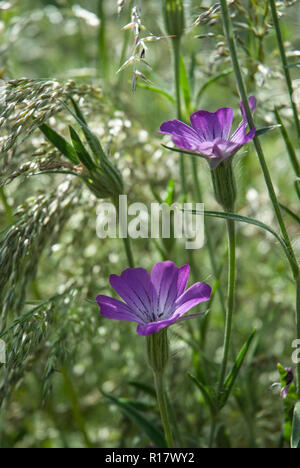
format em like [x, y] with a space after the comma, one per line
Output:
[148, 428]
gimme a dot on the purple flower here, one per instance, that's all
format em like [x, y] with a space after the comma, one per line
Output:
[153, 301]
[209, 134]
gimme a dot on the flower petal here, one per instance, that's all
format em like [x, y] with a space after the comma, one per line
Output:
[164, 277]
[252, 104]
[199, 292]
[224, 149]
[211, 125]
[240, 137]
[135, 288]
[115, 309]
[183, 135]
[153, 327]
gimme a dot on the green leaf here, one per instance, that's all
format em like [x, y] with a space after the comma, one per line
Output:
[262, 131]
[137, 404]
[148, 389]
[170, 198]
[148, 428]
[185, 85]
[211, 81]
[60, 143]
[232, 376]
[81, 152]
[289, 146]
[245, 219]
[295, 440]
[290, 212]
[157, 90]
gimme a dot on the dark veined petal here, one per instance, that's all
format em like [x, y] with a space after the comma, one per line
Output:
[164, 277]
[182, 135]
[199, 292]
[240, 137]
[211, 125]
[115, 309]
[135, 288]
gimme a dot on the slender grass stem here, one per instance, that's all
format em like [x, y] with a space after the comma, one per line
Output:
[103, 62]
[126, 239]
[243, 93]
[289, 146]
[163, 407]
[128, 250]
[231, 301]
[176, 43]
[285, 64]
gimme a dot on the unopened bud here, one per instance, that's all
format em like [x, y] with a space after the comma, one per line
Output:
[173, 12]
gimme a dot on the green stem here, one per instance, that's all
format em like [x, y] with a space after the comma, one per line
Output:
[285, 64]
[8, 210]
[242, 90]
[231, 301]
[290, 149]
[211, 248]
[126, 240]
[212, 432]
[103, 62]
[163, 407]
[176, 43]
[128, 250]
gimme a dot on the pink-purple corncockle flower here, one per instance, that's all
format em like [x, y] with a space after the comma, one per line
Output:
[209, 133]
[154, 300]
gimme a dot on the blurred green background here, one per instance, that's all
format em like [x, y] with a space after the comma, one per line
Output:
[66, 352]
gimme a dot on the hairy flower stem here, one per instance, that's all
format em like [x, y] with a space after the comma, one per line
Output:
[242, 90]
[285, 64]
[162, 404]
[158, 355]
[231, 300]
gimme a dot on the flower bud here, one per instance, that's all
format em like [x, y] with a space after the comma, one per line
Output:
[158, 351]
[224, 185]
[173, 13]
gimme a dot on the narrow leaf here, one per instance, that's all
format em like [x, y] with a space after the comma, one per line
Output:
[148, 428]
[185, 85]
[60, 143]
[81, 152]
[232, 376]
[206, 394]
